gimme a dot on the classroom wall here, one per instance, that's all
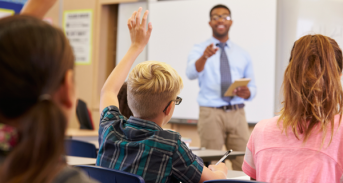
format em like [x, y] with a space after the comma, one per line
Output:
[178, 27]
[89, 78]
[296, 18]
[324, 17]
[124, 12]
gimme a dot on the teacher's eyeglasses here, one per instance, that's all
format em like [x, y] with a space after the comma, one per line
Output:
[177, 101]
[217, 17]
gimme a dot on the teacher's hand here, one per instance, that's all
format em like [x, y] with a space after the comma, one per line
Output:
[209, 51]
[242, 92]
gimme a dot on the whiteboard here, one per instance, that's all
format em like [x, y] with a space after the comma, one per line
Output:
[178, 25]
[125, 11]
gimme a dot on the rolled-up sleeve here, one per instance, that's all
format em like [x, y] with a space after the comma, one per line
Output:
[193, 56]
[249, 73]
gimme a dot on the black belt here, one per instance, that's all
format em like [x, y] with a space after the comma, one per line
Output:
[231, 107]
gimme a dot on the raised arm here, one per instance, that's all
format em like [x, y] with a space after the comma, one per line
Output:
[139, 39]
[37, 8]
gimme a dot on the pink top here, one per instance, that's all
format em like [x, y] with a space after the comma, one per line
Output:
[271, 156]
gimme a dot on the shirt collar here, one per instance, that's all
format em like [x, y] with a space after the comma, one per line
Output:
[216, 41]
[139, 129]
[141, 123]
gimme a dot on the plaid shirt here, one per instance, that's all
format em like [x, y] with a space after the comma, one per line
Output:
[143, 148]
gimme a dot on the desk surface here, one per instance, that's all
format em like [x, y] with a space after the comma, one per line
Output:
[206, 154]
[212, 155]
[81, 133]
[73, 160]
[239, 175]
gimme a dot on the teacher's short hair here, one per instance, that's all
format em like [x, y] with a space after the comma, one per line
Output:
[220, 6]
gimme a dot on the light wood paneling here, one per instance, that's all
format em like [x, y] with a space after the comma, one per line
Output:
[90, 78]
[106, 52]
[54, 14]
[84, 74]
[104, 2]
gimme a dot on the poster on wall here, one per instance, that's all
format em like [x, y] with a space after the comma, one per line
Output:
[77, 25]
[6, 12]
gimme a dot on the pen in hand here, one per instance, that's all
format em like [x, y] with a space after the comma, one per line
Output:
[225, 155]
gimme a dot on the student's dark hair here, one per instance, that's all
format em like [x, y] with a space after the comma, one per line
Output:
[123, 104]
[220, 6]
[34, 58]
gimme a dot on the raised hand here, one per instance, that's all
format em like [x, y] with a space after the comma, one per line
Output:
[209, 51]
[139, 39]
[138, 32]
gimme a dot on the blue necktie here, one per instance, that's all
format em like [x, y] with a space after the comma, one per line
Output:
[225, 73]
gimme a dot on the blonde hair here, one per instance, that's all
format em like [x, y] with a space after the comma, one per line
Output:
[151, 85]
[312, 88]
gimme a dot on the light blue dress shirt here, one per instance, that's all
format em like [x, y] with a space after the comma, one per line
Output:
[209, 78]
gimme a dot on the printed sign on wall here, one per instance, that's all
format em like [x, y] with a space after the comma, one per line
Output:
[77, 26]
[6, 12]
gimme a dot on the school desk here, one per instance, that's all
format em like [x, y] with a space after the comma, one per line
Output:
[209, 155]
[238, 175]
[81, 134]
[73, 160]
[206, 154]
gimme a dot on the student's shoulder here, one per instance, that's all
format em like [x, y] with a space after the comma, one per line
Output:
[70, 175]
[176, 137]
[164, 141]
[266, 124]
[111, 113]
[171, 135]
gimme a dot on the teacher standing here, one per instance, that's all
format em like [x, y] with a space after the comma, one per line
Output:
[217, 63]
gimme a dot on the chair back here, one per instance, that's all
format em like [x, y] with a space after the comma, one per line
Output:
[231, 181]
[84, 116]
[106, 175]
[80, 148]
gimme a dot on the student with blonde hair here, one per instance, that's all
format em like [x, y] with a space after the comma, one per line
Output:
[139, 145]
[304, 143]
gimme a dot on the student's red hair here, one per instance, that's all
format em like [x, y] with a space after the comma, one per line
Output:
[312, 88]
